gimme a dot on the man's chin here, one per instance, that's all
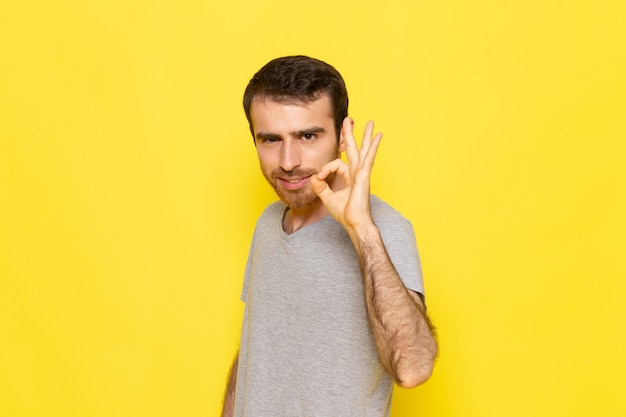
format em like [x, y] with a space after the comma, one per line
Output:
[298, 200]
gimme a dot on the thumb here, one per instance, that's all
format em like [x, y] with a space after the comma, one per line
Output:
[321, 188]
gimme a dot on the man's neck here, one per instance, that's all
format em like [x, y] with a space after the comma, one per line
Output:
[295, 219]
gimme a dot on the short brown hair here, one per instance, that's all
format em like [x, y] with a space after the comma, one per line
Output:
[298, 79]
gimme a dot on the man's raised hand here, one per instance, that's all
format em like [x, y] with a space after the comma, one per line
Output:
[350, 206]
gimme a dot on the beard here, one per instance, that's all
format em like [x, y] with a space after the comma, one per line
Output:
[295, 199]
[300, 198]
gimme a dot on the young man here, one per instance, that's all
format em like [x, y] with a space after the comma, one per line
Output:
[333, 287]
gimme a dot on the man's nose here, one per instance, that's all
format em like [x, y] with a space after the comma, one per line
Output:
[289, 155]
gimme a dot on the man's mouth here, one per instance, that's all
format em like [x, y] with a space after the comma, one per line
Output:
[294, 183]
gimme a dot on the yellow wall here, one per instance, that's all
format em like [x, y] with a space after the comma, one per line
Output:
[129, 188]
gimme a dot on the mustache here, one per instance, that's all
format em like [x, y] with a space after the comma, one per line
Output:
[301, 173]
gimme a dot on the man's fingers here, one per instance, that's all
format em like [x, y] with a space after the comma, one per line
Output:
[367, 137]
[368, 160]
[347, 131]
[318, 182]
[358, 157]
[320, 187]
[335, 167]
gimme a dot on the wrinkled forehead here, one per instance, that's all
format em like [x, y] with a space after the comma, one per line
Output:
[280, 115]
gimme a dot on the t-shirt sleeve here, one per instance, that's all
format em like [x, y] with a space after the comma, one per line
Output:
[246, 277]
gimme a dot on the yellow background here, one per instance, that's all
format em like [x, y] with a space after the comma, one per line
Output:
[129, 188]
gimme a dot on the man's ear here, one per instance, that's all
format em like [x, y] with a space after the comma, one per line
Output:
[342, 143]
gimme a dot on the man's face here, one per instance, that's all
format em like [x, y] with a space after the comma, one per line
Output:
[293, 142]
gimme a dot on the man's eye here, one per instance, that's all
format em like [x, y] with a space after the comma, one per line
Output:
[308, 136]
[267, 140]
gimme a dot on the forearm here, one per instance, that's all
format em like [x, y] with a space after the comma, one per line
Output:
[404, 336]
[229, 396]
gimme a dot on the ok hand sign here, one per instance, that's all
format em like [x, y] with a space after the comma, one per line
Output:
[350, 206]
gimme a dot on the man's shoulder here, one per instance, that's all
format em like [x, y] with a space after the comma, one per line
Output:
[381, 208]
[387, 217]
[272, 210]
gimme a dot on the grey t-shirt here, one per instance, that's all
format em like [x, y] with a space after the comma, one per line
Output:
[306, 345]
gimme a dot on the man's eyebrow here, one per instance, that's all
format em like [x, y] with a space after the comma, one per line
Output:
[310, 131]
[266, 136]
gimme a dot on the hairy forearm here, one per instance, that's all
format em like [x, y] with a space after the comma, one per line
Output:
[404, 336]
[229, 396]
